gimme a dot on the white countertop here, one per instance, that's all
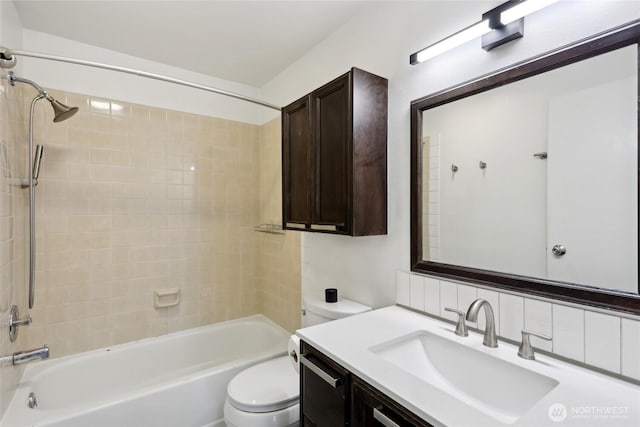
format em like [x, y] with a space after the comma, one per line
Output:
[590, 398]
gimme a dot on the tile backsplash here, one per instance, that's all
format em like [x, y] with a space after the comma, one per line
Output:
[601, 340]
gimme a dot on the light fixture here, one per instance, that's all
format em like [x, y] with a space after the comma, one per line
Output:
[498, 26]
[471, 32]
[523, 9]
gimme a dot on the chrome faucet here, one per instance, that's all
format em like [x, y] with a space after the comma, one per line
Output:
[21, 357]
[490, 339]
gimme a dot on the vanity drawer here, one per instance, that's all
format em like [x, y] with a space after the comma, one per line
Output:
[370, 407]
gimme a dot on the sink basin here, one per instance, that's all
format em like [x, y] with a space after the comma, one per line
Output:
[498, 388]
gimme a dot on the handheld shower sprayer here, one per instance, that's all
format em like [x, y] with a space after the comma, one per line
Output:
[36, 163]
[60, 112]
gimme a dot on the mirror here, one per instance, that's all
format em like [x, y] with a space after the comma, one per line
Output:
[528, 179]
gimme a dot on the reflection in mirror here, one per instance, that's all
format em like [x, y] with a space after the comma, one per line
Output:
[526, 179]
[539, 177]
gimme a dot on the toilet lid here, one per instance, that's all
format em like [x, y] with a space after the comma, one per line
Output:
[265, 387]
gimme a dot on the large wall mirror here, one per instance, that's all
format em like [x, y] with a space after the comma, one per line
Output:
[527, 179]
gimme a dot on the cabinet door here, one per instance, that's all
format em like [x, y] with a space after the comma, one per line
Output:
[324, 390]
[296, 163]
[372, 408]
[331, 112]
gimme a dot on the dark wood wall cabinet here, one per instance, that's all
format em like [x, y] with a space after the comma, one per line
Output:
[330, 396]
[334, 157]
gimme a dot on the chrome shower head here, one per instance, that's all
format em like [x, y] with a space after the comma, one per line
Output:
[61, 112]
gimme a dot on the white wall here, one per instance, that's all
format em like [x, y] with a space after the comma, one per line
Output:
[380, 40]
[130, 88]
[10, 26]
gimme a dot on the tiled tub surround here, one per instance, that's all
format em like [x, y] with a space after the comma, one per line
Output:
[609, 342]
[132, 199]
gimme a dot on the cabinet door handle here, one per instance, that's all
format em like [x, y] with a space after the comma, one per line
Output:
[296, 225]
[324, 227]
[329, 379]
[383, 419]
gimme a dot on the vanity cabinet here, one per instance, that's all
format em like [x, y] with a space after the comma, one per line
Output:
[330, 396]
[334, 157]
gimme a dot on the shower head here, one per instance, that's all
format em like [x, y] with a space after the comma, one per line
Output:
[61, 112]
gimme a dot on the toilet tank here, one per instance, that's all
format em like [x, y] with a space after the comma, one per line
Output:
[318, 311]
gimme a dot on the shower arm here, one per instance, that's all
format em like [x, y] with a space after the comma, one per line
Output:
[13, 79]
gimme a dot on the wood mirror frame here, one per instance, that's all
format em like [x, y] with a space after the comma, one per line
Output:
[616, 38]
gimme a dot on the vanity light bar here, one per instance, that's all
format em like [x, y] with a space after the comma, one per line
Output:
[461, 37]
[523, 9]
[509, 12]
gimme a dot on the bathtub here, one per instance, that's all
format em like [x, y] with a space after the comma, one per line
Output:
[177, 380]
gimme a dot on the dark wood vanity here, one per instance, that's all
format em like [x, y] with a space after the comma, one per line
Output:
[332, 396]
[334, 157]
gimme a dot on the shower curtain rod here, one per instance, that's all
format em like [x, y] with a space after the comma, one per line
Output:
[9, 52]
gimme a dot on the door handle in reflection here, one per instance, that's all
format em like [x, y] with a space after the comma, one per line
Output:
[558, 250]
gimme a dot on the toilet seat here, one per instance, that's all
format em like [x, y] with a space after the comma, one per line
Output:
[266, 387]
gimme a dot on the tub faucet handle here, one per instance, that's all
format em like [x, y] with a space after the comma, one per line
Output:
[15, 321]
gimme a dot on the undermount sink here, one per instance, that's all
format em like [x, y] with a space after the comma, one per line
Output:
[498, 388]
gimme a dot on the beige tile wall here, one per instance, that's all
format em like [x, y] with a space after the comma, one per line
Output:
[13, 227]
[135, 199]
[279, 273]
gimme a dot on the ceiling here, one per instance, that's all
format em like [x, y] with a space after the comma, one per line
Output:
[243, 41]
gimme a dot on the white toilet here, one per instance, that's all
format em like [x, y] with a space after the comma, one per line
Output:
[267, 394]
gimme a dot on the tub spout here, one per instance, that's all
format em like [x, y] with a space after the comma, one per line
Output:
[21, 357]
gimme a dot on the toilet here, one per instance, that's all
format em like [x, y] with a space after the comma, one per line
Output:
[268, 394]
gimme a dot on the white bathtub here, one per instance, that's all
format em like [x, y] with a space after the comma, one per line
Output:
[177, 380]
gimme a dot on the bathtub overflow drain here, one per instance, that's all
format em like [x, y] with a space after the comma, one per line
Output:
[32, 402]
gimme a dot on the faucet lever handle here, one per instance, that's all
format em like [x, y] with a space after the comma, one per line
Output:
[526, 349]
[461, 326]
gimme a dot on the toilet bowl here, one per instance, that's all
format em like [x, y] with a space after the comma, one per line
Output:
[268, 394]
[264, 395]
